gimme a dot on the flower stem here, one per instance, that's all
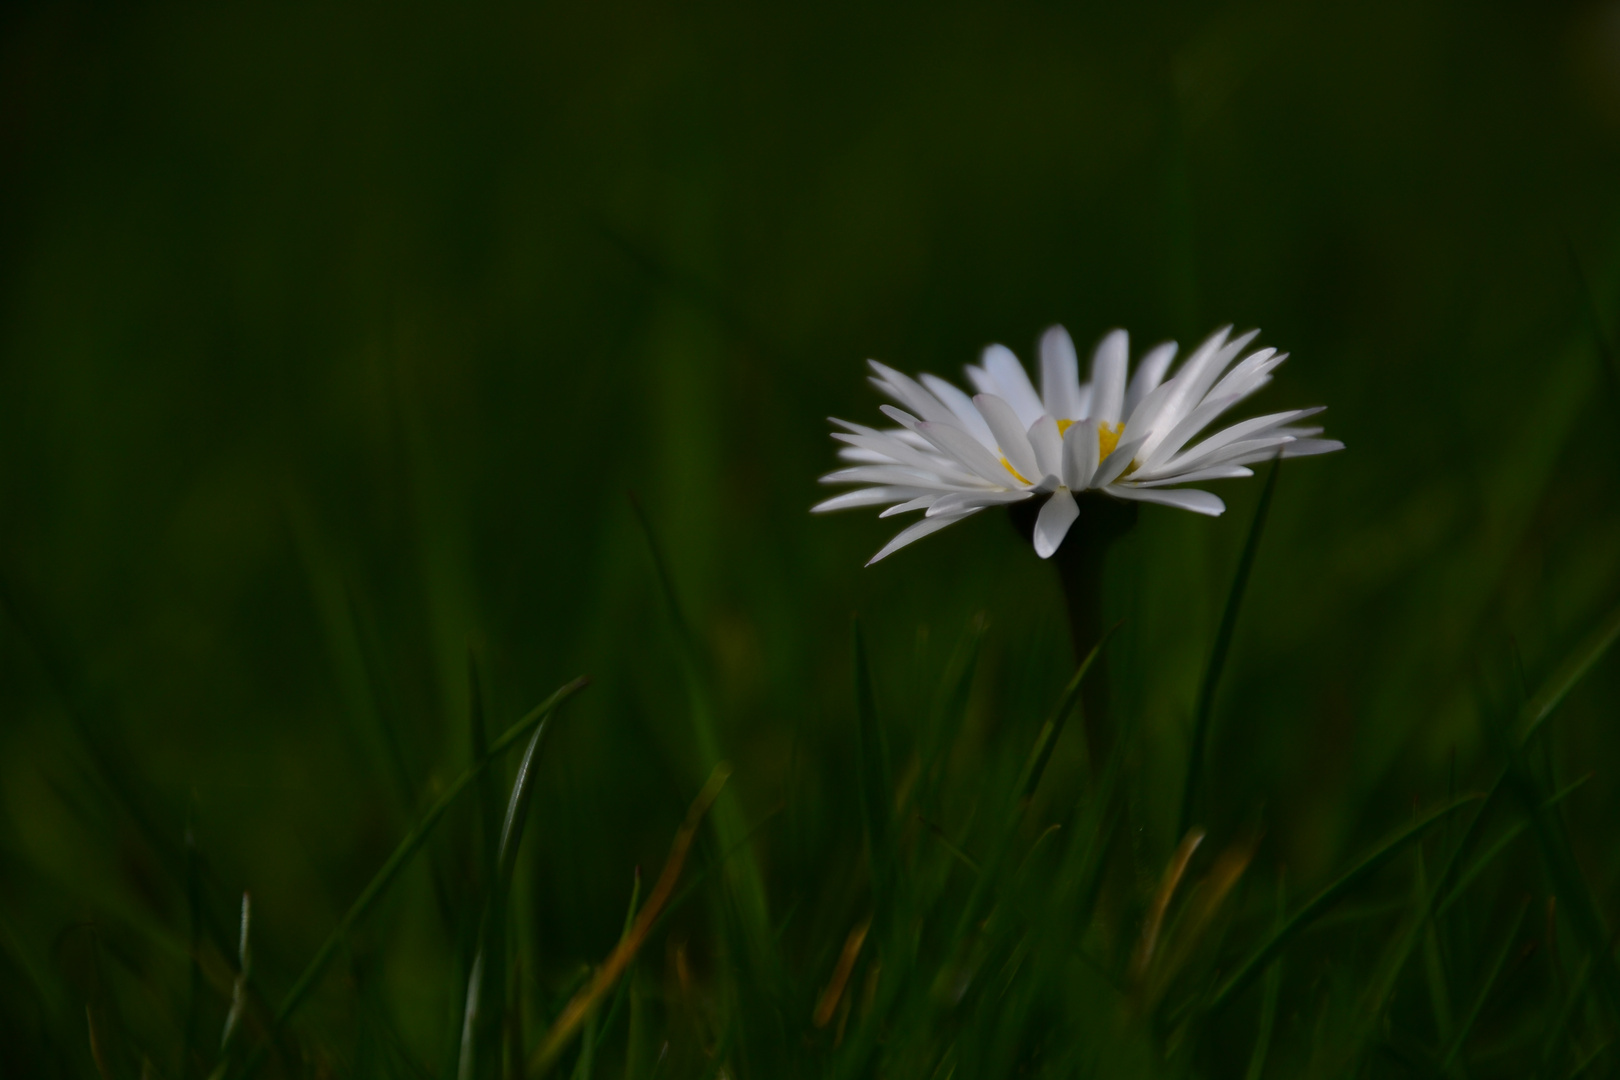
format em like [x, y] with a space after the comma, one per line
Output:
[1079, 562]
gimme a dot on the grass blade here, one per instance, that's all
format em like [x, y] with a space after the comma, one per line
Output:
[744, 879]
[485, 1010]
[1485, 987]
[583, 1004]
[1268, 1000]
[1052, 730]
[1329, 896]
[872, 769]
[1223, 644]
[402, 854]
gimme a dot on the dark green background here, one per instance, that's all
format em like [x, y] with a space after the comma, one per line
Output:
[334, 339]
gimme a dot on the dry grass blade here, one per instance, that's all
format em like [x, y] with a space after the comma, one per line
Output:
[1173, 874]
[573, 1016]
[840, 976]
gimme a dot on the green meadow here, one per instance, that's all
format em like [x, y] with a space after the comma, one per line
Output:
[418, 659]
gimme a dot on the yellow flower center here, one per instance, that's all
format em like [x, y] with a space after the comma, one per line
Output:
[1108, 438]
[1008, 465]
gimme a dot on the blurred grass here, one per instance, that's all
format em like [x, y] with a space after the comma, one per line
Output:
[334, 339]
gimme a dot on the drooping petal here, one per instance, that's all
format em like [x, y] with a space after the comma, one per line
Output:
[1199, 502]
[1080, 455]
[1048, 446]
[916, 532]
[921, 502]
[1016, 390]
[1060, 375]
[1108, 366]
[872, 496]
[1053, 523]
[1149, 374]
[1010, 436]
[961, 501]
[962, 407]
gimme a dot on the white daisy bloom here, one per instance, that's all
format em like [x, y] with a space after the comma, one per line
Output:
[1131, 438]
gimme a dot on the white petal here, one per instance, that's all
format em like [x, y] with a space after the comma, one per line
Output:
[1108, 366]
[890, 474]
[1253, 372]
[864, 457]
[974, 500]
[1149, 374]
[1307, 447]
[1252, 428]
[1085, 401]
[1060, 375]
[1080, 455]
[1048, 446]
[872, 496]
[1186, 390]
[1010, 437]
[1144, 419]
[982, 380]
[962, 407]
[965, 448]
[1016, 390]
[906, 391]
[1217, 472]
[1115, 463]
[921, 502]
[1199, 502]
[1053, 523]
[917, 532]
[901, 453]
[1195, 421]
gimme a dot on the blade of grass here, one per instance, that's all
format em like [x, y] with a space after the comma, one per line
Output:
[743, 876]
[1223, 643]
[485, 1011]
[871, 770]
[1485, 987]
[583, 1003]
[1514, 831]
[401, 856]
[1574, 893]
[1329, 896]
[486, 976]
[191, 1059]
[1046, 741]
[952, 709]
[620, 991]
[1434, 967]
[1269, 993]
[1532, 717]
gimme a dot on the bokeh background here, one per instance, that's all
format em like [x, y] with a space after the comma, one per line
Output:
[337, 339]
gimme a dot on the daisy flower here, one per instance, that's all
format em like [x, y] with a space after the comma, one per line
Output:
[1122, 435]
